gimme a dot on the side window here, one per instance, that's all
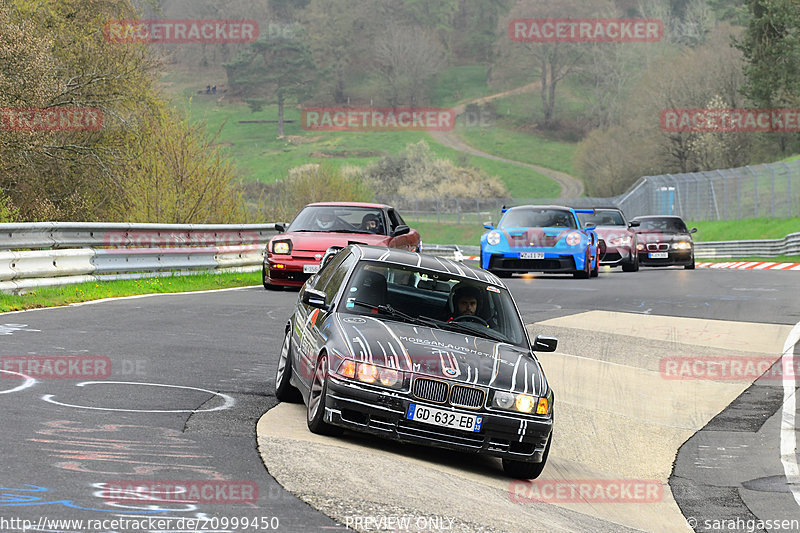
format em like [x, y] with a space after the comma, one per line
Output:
[325, 274]
[339, 272]
[394, 219]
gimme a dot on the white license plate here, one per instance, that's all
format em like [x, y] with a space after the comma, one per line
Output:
[658, 255]
[310, 269]
[442, 418]
[531, 255]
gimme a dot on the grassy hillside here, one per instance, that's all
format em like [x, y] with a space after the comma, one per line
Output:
[752, 228]
[263, 157]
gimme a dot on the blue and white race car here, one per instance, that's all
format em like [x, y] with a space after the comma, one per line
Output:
[540, 238]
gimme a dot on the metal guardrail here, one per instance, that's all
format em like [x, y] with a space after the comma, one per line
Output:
[58, 253]
[789, 245]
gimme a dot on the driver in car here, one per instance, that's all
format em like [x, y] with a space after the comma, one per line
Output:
[325, 220]
[466, 299]
[370, 223]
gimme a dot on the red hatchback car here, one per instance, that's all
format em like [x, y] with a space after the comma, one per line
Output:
[295, 253]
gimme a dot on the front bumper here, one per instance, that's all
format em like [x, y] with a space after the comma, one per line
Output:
[674, 258]
[383, 414]
[616, 256]
[511, 262]
[292, 273]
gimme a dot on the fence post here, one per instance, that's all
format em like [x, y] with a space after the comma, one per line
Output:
[755, 191]
[724, 195]
[772, 206]
[788, 190]
[458, 210]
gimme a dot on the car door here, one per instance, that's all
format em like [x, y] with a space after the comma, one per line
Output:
[309, 319]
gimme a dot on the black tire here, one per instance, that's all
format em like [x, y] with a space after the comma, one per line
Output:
[633, 266]
[586, 272]
[596, 270]
[315, 407]
[523, 470]
[690, 266]
[284, 390]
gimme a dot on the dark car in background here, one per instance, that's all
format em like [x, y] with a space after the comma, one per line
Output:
[293, 255]
[375, 345]
[618, 235]
[664, 240]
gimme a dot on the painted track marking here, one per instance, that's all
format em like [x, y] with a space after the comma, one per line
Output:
[229, 402]
[29, 382]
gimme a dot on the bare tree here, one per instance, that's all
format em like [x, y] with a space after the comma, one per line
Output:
[551, 61]
[406, 58]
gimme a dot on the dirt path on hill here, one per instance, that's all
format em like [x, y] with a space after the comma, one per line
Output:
[571, 187]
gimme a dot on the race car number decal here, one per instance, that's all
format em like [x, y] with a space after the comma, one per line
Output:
[440, 417]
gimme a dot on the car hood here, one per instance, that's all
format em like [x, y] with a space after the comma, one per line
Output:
[523, 236]
[612, 232]
[661, 236]
[319, 242]
[442, 354]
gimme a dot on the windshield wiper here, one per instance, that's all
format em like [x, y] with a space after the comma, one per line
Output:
[389, 310]
[481, 331]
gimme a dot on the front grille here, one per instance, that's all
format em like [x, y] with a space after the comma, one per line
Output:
[431, 390]
[532, 264]
[469, 397]
[440, 434]
[657, 246]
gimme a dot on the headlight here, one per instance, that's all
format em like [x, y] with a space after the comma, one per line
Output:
[493, 238]
[281, 247]
[640, 247]
[682, 246]
[574, 239]
[620, 241]
[521, 403]
[372, 374]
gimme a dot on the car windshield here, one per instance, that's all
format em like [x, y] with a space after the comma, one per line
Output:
[602, 217]
[336, 219]
[537, 218]
[670, 225]
[434, 299]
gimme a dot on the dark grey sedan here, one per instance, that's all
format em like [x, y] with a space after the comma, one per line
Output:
[380, 342]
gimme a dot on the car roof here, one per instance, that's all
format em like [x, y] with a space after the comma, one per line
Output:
[563, 207]
[658, 216]
[428, 262]
[350, 204]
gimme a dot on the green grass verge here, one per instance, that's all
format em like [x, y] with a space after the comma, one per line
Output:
[461, 234]
[746, 229]
[84, 292]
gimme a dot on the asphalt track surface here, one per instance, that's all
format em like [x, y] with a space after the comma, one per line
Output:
[190, 376]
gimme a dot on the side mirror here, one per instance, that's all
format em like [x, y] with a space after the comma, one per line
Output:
[590, 227]
[693, 230]
[280, 227]
[315, 298]
[634, 224]
[544, 344]
[402, 229]
[488, 224]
